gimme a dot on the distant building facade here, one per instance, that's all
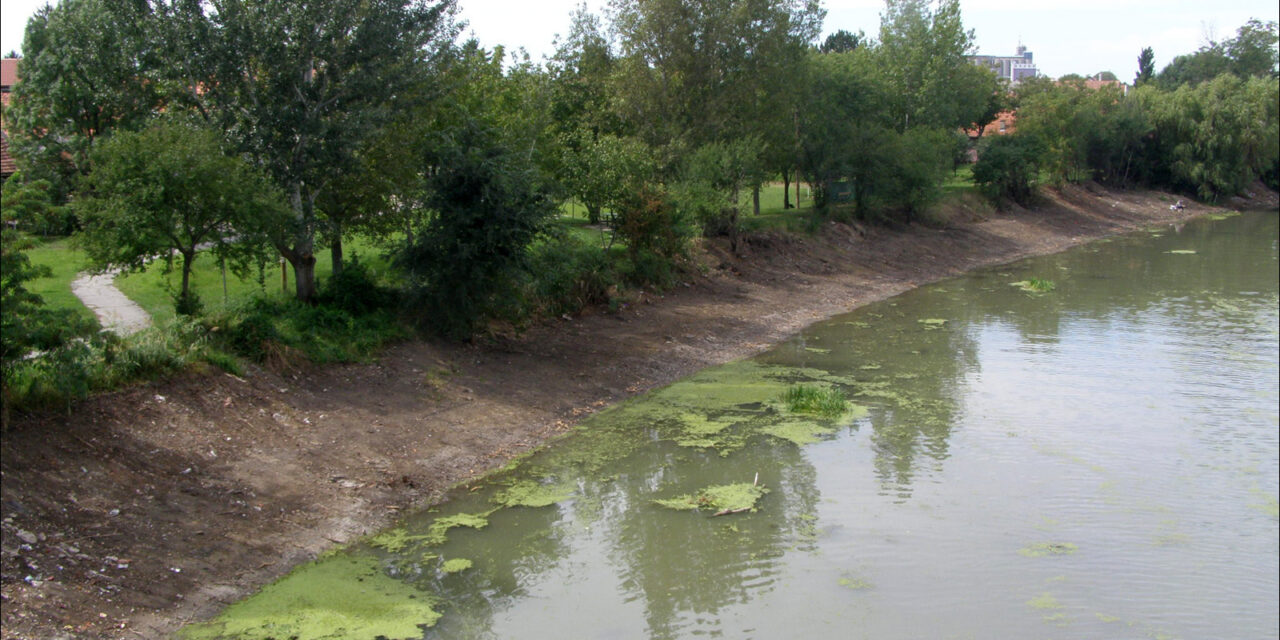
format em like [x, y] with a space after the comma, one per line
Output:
[1014, 68]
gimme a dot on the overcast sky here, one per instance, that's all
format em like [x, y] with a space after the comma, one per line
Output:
[1066, 36]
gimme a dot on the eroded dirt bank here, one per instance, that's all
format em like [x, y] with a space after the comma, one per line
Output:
[157, 505]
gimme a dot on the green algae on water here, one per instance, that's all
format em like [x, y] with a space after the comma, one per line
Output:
[856, 584]
[725, 498]
[341, 596]
[1042, 549]
[1044, 601]
[395, 540]
[798, 432]
[531, 493]
[437, 532]
[455, 565]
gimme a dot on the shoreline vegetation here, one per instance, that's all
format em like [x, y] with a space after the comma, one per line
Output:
[209, 485]
[376, 282]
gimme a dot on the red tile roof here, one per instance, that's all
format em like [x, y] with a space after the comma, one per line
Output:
[8, 72]
[7, 165]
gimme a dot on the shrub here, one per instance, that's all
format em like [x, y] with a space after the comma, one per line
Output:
[568, 275]
[803, 398]
[1007, 168]
[355, 290]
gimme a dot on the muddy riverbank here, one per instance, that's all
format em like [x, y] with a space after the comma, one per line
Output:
[157, 505]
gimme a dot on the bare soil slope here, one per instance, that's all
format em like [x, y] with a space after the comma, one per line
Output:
[157, 505]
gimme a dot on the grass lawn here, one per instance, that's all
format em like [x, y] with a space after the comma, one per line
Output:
[153, 289]
[771, 199]
[65, 262]
[959, 180]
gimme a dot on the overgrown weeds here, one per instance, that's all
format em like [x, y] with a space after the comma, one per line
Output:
[803, 398]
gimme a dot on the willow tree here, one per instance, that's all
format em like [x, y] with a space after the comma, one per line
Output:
[301, 87]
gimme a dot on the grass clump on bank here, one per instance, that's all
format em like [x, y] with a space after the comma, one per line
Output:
[809, 399]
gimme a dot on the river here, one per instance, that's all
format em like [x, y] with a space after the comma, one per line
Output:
[1077, 445]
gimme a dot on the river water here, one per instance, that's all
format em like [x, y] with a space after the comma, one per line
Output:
[1094, 459]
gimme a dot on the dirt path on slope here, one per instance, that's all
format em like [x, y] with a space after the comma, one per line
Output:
[157, 505]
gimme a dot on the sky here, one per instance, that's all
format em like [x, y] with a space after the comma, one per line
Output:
[1065, 36]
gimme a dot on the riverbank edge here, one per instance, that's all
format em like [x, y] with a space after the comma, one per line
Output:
[155, 506]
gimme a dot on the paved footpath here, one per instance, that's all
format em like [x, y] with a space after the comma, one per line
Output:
[115, 311]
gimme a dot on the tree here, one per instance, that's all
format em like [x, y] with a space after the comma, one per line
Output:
[485, 207]
[25, 323]
[1216, 137]
[1007, 168]
[581, 114]
[28, 205]
[1106, 76]
[698, 72]
[1146, 67]
[302, 87]
[170, 189]
[1254, 52]
[90, 68]
[923, 53]
[842, 41]
[605, 172]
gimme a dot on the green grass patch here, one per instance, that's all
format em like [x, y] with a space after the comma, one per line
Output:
[960, 181]
[810, 399]
[154, 287]
[64, 261]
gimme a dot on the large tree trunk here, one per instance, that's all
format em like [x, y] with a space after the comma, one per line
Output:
[593, 214]
[302, 254]
[786, 189]
[335, 252]
[188, 257]
[304, 272]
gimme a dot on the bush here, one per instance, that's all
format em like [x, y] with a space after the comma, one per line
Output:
[1007, 168]
[568, 275]
[649, 222]
[355, 290]
[803, 398]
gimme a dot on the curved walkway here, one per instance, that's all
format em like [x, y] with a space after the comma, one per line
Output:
[114, 310]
